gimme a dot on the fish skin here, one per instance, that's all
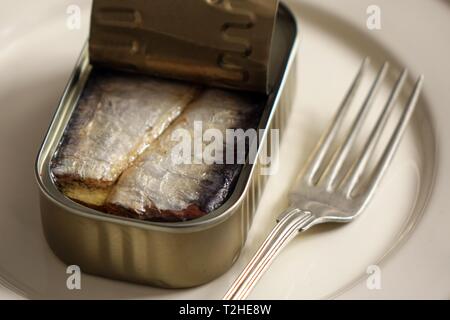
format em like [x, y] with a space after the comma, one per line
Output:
[157, 189]
[117, 118]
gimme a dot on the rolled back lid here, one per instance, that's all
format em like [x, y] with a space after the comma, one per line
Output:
[223, 43]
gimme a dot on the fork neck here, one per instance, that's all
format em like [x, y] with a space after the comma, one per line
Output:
[296, 218]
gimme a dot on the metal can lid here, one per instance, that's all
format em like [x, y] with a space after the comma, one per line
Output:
[223, 43]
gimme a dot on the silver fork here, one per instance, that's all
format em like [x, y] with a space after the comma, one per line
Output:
[334, 194]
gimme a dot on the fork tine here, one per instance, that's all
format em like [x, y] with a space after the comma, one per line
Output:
[354, 174]
[318, 155]
[394, 141]
[330, 175]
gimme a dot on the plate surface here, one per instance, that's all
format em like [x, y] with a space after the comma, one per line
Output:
[409, 244]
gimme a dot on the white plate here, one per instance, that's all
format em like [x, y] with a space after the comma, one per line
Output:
[409, 244]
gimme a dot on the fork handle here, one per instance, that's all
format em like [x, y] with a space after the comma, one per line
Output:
[290, 223]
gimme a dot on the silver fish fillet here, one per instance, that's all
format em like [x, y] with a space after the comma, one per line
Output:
[157, 188]
[117, 118]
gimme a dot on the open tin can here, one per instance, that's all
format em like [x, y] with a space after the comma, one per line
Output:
[172, 254]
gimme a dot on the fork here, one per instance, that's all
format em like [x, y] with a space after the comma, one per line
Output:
[327, 191]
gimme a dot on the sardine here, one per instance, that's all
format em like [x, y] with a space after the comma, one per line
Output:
[117, 118]
[157, 188]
